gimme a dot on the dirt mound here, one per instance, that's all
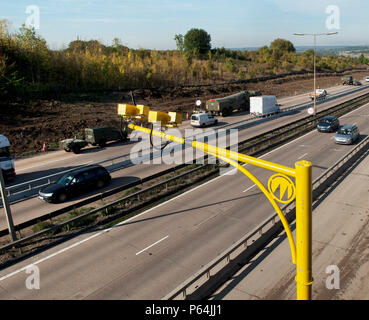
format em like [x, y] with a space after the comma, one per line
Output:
[27, 126]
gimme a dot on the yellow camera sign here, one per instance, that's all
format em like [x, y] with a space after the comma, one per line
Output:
[284, 184]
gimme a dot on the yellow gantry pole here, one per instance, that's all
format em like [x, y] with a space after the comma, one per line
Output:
[302, 251]
[303, 278]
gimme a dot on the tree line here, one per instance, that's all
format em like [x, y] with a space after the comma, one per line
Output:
[28, 65]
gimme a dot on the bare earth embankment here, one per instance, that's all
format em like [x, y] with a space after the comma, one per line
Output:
[52, 121]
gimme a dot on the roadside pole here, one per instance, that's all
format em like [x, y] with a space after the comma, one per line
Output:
[6, 207]
[304, 279]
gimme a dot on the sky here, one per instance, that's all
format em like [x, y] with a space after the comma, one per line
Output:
[152, 24]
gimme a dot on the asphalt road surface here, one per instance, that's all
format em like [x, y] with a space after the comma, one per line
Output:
[148, 255]
[34, 207]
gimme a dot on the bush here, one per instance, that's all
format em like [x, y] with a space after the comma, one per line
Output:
[197, 42]
[80, 222]
[41, 225]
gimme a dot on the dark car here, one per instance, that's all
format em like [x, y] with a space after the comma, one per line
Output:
[328, 124]
[357, 83]
[76, 182]
[347, 134]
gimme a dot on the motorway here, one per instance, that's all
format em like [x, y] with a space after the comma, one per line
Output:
[340, 236]
[46, 164]
[31, 168]
[148, 255]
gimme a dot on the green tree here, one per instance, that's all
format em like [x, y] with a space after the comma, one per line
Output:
[282, 45]
[4, 27]
[197, 42]
[363, 59]
[35, 52]
[179, 42]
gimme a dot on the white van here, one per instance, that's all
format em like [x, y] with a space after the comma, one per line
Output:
[203, 119]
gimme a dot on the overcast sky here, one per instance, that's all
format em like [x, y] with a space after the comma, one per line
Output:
[152, 24]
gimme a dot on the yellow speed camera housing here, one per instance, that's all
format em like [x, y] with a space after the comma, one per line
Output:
[133, 112]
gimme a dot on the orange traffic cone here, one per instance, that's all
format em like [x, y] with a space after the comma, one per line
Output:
[44, 147]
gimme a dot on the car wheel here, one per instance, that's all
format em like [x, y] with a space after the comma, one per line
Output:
[100, 184]
[102, 143]
[76, 150]
[62, 197]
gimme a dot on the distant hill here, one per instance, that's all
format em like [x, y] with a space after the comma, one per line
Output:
[324, 50]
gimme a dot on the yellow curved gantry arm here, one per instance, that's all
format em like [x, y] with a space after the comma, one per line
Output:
[222, 152]
[270, 198]
[224, 155]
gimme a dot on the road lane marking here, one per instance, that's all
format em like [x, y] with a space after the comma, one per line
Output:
[49, 256]
[249, 188]
[305, 154]
[365, 105]
[103, 231]
[152, 245]
[161, 204]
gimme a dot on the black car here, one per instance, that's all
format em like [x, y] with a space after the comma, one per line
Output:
[328, 124]
[75, 182]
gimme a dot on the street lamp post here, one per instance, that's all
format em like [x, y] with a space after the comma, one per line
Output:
[315, 35]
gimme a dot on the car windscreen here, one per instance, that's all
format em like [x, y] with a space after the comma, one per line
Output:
[194, 118]
[344, 131]
[326, 121]
[65, 180]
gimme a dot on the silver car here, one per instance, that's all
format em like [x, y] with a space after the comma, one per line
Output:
[347, 134]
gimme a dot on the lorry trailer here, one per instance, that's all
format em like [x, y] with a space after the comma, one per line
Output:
[225, 106]
[263, 106]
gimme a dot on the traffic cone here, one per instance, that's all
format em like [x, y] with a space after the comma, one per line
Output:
[44, 147]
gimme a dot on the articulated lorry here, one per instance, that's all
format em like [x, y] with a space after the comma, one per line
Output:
[263, 106]
[6, 160]
[225, 106]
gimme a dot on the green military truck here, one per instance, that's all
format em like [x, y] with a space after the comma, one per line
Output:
[347, 80]
[94, 136]
[225, 106]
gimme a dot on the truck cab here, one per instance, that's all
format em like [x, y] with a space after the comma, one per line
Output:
[6, 160]
[349, 80]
